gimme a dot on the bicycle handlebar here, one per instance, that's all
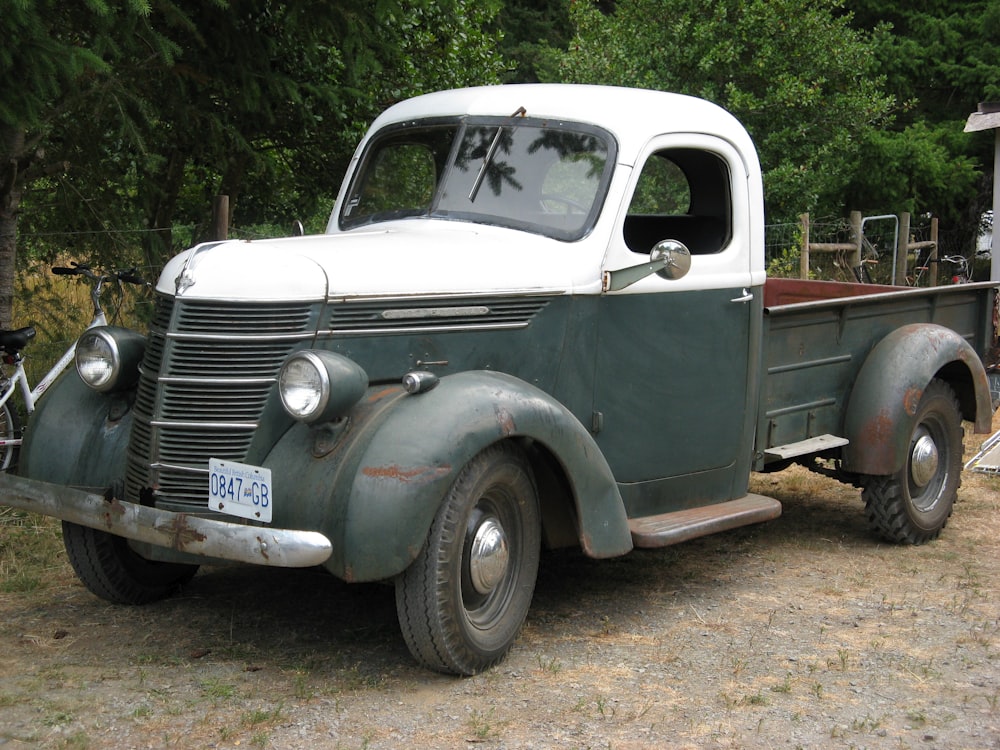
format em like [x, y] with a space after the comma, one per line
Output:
[83, 269]
[63, 271]
[130, 276]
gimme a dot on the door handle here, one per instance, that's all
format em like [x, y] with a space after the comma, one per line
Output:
[747, 296]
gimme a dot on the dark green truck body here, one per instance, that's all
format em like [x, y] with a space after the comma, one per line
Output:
[564, 338]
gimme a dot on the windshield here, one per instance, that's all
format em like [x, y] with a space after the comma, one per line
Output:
[534, 175]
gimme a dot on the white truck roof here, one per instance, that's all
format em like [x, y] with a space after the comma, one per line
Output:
[633, 116]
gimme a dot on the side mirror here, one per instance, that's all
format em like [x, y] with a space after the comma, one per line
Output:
[674, 256]
[297, 229]
[669, 259]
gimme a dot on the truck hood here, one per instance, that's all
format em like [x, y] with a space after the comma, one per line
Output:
[423, 257]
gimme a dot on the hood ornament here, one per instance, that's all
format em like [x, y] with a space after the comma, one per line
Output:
[185, 279]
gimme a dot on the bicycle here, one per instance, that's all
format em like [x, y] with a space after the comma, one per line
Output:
[13, 341]
[963, 271]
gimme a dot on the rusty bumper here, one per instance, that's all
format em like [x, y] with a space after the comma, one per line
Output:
[183, 532]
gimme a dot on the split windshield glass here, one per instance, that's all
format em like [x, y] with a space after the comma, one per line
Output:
[539, 176]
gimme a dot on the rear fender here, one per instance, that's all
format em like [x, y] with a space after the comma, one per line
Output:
[882, 407]
[381, 475]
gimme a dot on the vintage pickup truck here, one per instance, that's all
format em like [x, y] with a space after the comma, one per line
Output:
[538, 318]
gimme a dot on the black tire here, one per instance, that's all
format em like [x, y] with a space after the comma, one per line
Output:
[913, 505]
[458, 617]
[113, 571]
[10, 428]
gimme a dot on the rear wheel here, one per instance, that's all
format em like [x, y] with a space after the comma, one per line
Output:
[462, 602]
[10, 430]
[913, 505]
[112, 570]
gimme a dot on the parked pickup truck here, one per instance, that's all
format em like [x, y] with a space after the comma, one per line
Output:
[538, 318]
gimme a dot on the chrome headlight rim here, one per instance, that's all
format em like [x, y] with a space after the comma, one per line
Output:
[95, 346]
[317, 406]
[338, 384]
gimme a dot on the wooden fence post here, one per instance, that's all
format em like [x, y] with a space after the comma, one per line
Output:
[220, 218]
[857, 238]
[902, 249]
[804, 256]
[932, 261]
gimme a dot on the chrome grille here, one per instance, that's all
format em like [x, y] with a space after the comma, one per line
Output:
[410, 315]
[208, 369]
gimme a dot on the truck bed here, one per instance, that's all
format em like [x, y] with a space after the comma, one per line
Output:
[816, 335]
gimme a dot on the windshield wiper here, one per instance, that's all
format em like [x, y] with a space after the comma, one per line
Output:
[490, 153]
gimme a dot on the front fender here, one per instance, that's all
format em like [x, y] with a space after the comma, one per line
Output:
[77, 436]
[382, 475]
[882, 407]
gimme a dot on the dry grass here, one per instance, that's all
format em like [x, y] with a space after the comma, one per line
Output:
[59, 308]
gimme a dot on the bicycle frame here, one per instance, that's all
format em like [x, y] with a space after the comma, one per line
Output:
[19, 380]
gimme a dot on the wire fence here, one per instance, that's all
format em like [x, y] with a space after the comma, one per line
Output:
[783, 251]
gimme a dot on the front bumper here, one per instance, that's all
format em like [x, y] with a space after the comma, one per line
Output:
[225, 540]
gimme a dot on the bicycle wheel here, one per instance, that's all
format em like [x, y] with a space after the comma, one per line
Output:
[10, 431]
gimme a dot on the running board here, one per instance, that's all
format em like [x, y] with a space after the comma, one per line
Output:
[681, 525]
[806, 447]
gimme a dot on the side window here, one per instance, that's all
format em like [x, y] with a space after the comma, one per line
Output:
[682, 194]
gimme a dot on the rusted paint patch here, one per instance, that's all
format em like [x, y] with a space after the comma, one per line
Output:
[911, 400]
[506, 421]
[263, 548]
[114, 513]
[377, 395]
[182, 534]
[877, 436]
[415, 475]
[587, 544]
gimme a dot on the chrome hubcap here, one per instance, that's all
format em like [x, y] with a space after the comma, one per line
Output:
[923, 460]
[489, 556]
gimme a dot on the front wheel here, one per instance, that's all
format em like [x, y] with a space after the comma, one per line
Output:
[10, 435]
[913, 505]
[113, 571]
[462, 602]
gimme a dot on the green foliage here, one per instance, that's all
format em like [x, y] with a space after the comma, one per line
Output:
[785, 263]
[257, 100]
[939, 59]
[799, 77]
[921, 168]
[532, 31]
[939, 62]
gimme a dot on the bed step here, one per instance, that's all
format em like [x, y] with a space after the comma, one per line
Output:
[681, 525]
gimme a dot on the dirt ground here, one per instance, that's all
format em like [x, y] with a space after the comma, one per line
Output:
[804, 632]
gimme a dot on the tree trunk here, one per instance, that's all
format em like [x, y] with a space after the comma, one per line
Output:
[162, 190]
[11, 148]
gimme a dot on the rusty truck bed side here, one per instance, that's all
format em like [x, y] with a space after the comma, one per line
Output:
[816, 335]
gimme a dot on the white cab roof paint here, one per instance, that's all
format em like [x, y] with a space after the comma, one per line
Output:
[631, 115]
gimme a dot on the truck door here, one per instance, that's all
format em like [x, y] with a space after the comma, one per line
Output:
[676, 373]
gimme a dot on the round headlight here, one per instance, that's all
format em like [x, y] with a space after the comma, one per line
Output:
[98, 360]
[318, 386]
[304, 386]
[108, 358]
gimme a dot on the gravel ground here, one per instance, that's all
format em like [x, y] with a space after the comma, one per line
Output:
[804, 632]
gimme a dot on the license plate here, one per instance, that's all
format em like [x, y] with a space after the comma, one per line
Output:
[240, 490]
